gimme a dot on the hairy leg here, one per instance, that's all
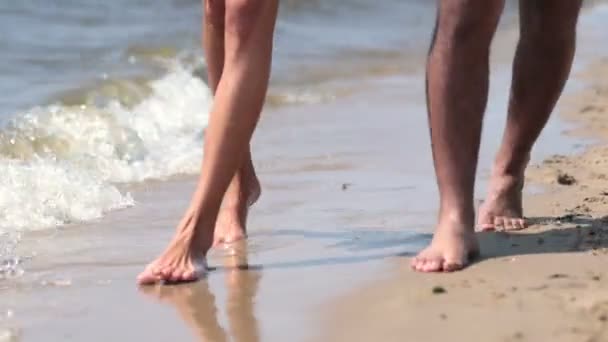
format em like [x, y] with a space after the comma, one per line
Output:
[457, 90]
[542, 64]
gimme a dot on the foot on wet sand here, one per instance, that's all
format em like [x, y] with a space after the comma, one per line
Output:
[453, 247]
[184, 258]
[231, 223]
[502, 209]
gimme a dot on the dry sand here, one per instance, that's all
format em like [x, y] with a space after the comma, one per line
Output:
[547, 283]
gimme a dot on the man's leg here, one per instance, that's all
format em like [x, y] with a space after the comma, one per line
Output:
[249, 27]
[457, 90]
[244, 188]
[540, 70]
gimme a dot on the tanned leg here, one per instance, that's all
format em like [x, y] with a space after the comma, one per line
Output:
[457, 89]
[240, 94]
[542, 65]
[244, 189]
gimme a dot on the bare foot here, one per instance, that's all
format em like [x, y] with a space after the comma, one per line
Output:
[453, 247]
[231, 223]
[184, 258]
[502, 209]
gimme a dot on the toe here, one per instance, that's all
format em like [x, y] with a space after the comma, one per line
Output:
[181, 276]
[516, 224]
[414, 262]
[454, 262]
[452, 265]
[486, 227]
[165, 272]
[499, 223]
[432, 266]
[522, 223]
[176, 276]
[418, 263]
[422, 265]
[427, 261]
[150, 275]
[147, 277]
[189, 275]
[508, 223]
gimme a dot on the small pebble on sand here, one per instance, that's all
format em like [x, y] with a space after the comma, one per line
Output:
[439, 290]
[558, 276]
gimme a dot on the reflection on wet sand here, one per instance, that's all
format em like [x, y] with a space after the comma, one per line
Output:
[196, 304]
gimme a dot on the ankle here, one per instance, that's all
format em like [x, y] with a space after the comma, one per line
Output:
[239, 197]
[457, 214]
[510, 168]
[506, 182]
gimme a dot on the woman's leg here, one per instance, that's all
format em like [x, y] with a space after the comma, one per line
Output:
[244, 189]
[249, 27]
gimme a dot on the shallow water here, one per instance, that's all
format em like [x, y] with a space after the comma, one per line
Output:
[345, 109]
[97, 90]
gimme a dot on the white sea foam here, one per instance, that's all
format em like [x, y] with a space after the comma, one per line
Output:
[62, 164]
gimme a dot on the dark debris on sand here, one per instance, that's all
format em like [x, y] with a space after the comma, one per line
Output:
[558, 276]
[565, 179]
[439, 290]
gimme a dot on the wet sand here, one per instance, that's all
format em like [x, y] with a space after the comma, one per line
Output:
[349, 196]
[334, 179]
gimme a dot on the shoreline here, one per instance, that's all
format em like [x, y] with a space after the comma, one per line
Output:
[305, 226]
[341, 208]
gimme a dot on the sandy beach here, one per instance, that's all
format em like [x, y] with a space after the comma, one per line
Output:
[349, 196]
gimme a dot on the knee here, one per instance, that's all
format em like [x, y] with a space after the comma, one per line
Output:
[241, 16]
[215, 12]
[465, 22]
